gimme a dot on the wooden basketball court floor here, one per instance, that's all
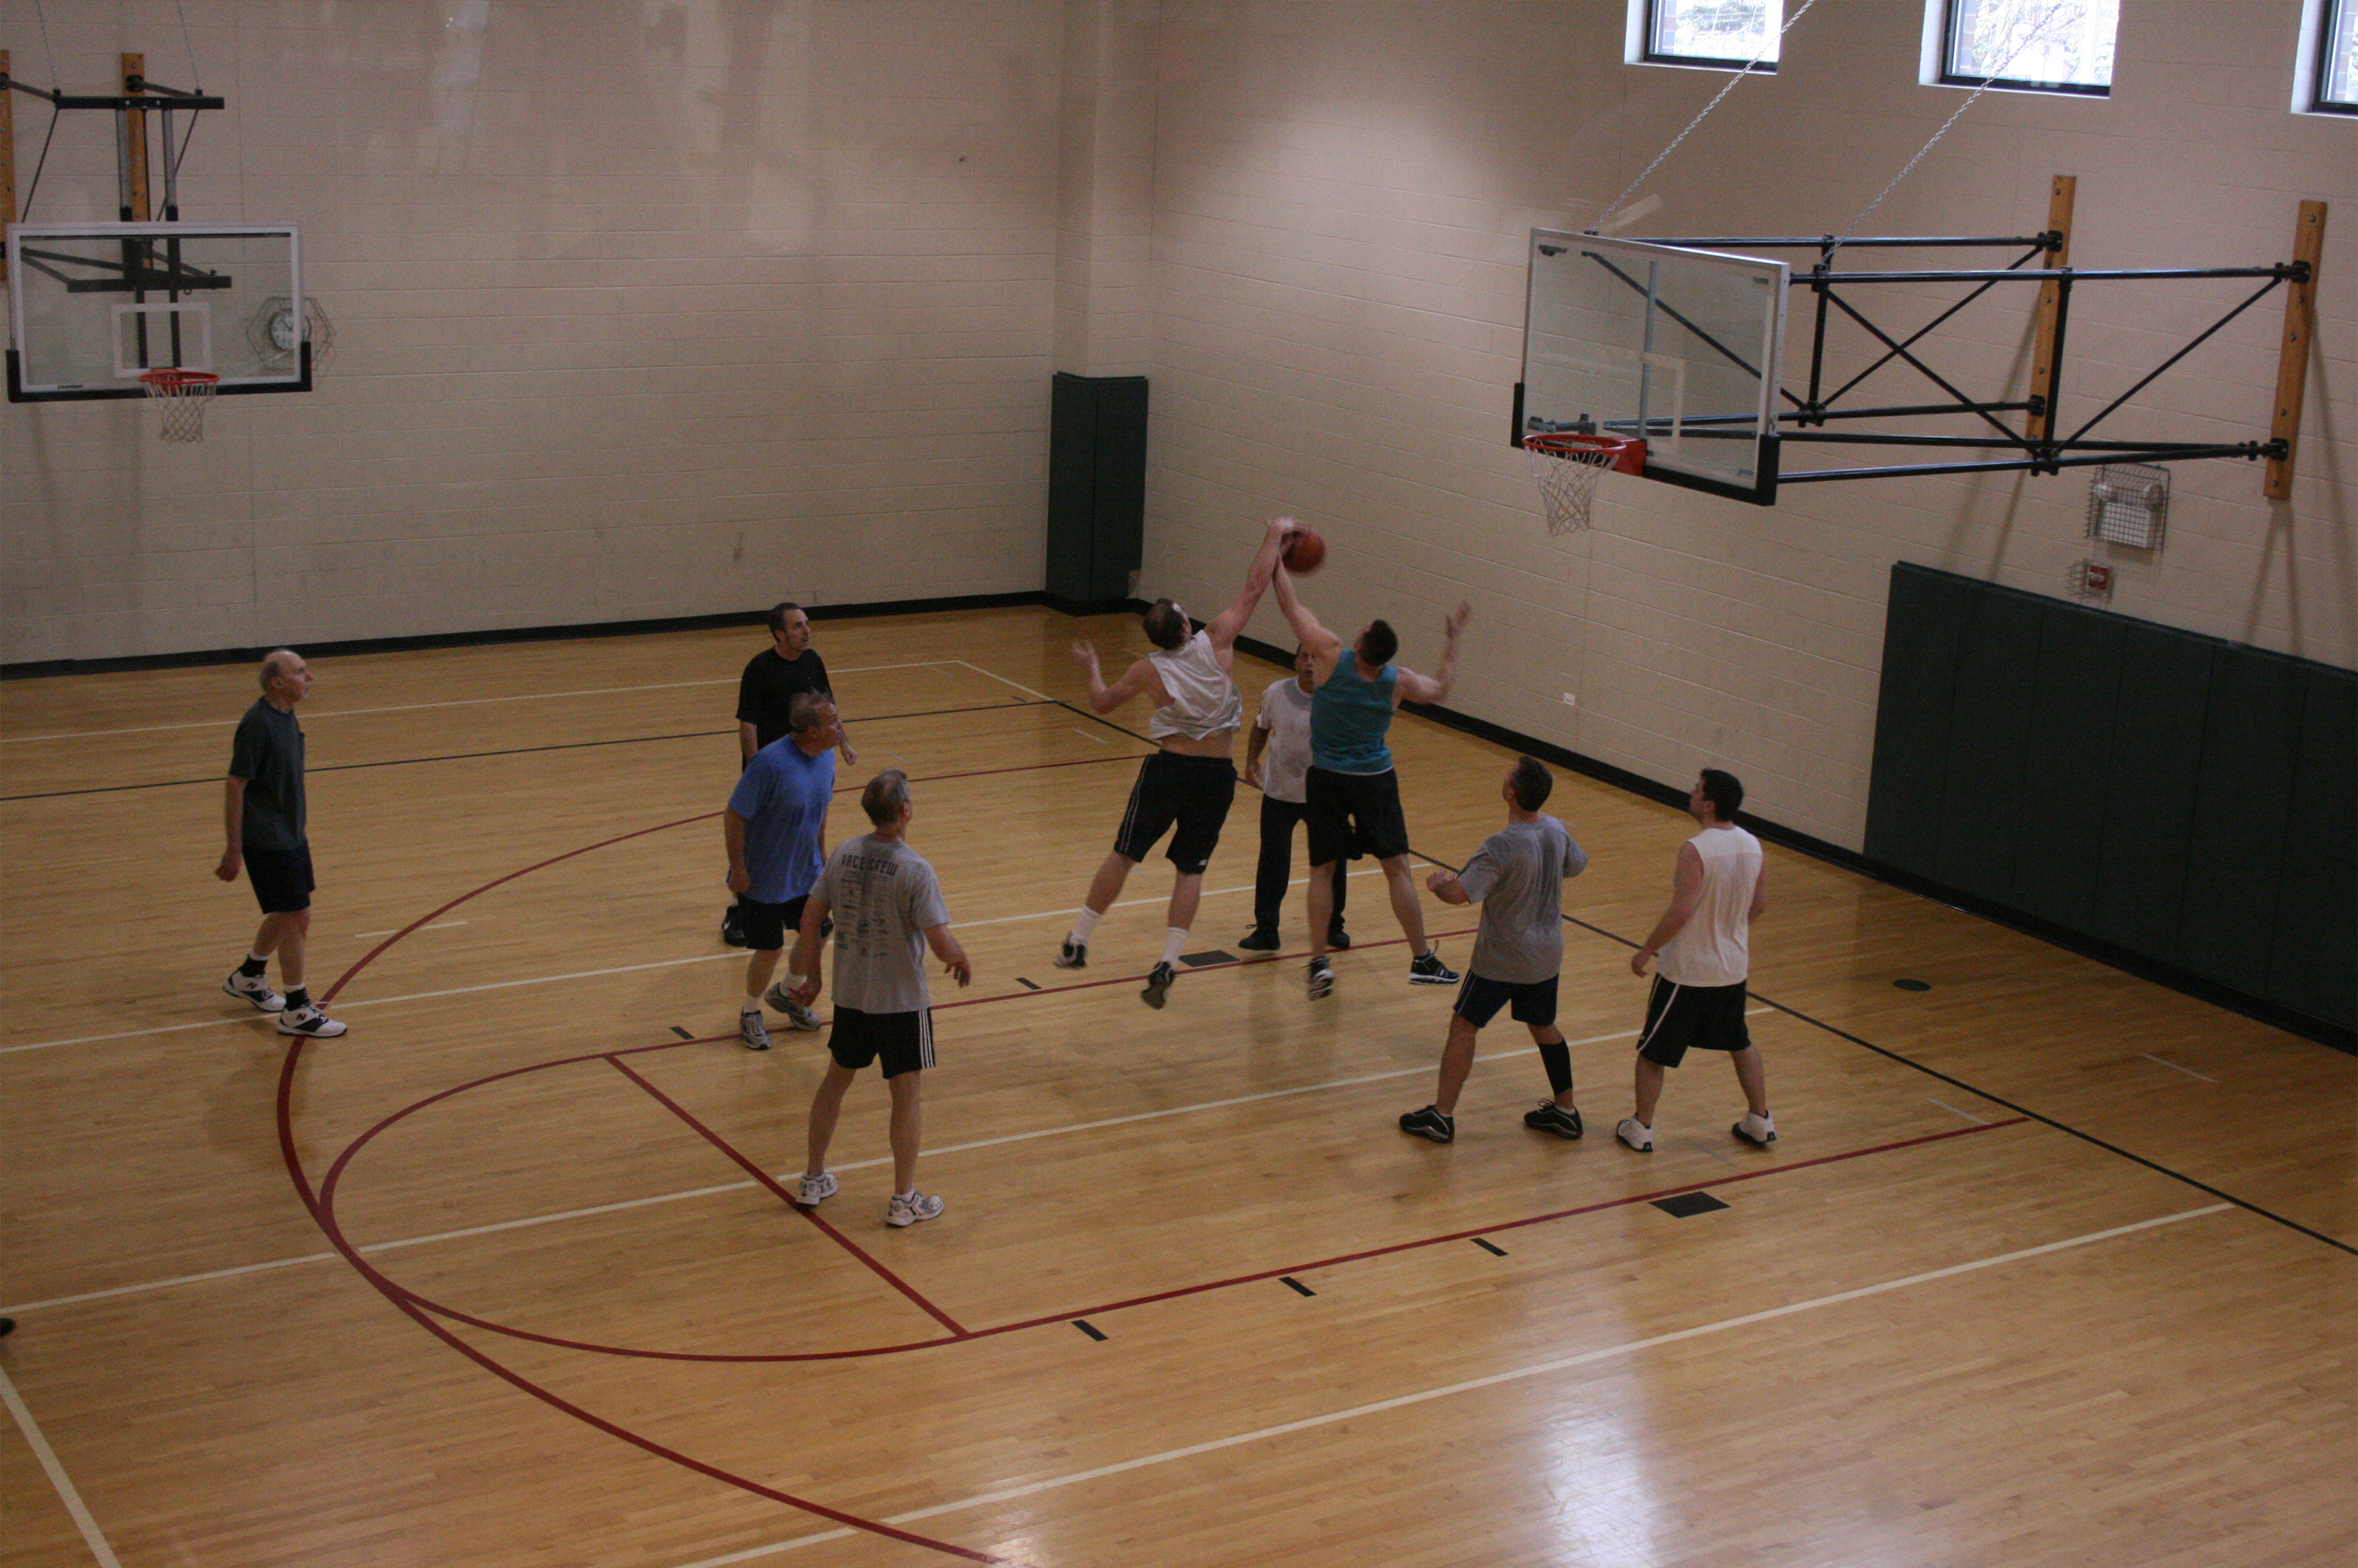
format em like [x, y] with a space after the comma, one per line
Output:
[2048, 1266]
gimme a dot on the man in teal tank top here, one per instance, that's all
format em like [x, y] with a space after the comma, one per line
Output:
[1351, 792]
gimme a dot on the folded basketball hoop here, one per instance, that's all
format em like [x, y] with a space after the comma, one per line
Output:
[1567, 464]
[182, 394]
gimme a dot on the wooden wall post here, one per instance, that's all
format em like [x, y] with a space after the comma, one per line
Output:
[2292, 354]
[134, 131]
[2039, 427]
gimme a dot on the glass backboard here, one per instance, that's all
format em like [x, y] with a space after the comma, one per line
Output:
[91, 305]
[1679, 347]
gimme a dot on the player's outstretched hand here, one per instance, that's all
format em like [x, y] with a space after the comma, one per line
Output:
[227, 870]
[1086, 655]
[1455, 620]
[1281, 526]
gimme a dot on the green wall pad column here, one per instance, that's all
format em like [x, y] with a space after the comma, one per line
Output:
[1097, 487]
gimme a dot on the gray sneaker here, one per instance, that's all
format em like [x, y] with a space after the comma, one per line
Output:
[750, 1031]
[797, 1015]
[908, 1208]
[816, 1190]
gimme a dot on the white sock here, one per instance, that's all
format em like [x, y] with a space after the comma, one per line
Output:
[752, 1002]
[1175, 937]
[1084, 925]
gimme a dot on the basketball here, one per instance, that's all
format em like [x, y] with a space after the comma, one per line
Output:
[1304, 552]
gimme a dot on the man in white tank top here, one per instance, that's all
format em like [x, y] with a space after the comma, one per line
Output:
[1703, 941]
[1191, 781]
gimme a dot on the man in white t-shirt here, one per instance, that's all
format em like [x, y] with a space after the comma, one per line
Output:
[1277, 758]
[887, 910]
[1703, 941]
[1191, 780]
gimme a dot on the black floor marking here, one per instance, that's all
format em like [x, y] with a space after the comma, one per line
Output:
[508, 752]
[1687, 1204]
[1493, 1251]
[1913, 985]
[683, 1033]
[1298, 1286]
[1027, 985]
[1202, 960]
[1084, 1326]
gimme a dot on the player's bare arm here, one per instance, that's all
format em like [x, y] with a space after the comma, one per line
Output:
[232, 829]
[748, 740]
[1230, 622]
[1686, 891]
[1324, 646]
[1760, 894]
[1139, 679]
[732, 835]
[953, 957]
[805, 959]
[1443, 885]
[1413, 687]
[1254, 746]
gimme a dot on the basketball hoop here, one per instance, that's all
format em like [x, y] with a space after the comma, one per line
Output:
[1566, 465]
[182, 394]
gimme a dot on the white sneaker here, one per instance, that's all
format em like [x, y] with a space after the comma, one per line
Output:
[1757, 1130]
[255, 988]
[908, 1208]
[310, 1019]
[797, 1015]
[749, 1031]
[1636, 1134]
[816, 1190]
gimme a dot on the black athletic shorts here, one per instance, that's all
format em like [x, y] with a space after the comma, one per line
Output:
[1352, 815]
[1479, 999]
[1193, 792]
[904, 1040]
[1680, 1019]
[769, 926]
[281, 878]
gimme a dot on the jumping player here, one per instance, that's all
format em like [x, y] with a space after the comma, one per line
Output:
[1351, 791]
[1191, 780]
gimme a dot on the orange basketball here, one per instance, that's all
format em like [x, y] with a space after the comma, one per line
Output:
[1304, 551]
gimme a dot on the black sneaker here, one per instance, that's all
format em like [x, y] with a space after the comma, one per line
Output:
[1430, 971]
[1430, 1123]
[1552, 1117]
[1340, 940]
[1158, 985]
[1259, 939]
[1072, 956]
[1321, 978]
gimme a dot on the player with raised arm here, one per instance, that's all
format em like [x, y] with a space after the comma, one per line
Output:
[1191, 780]
[1351, 792]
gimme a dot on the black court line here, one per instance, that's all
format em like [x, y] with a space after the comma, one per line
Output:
[1299, 1288]
[1089, 1329]
[1493, 1251]
[518, 751]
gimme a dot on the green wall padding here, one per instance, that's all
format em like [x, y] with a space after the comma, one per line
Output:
[2184, 798]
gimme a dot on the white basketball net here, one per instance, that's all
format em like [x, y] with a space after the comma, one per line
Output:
[183, 406]
[1568, 484]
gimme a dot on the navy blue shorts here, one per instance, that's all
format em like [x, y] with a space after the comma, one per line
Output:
[1479, 999]
[769, 926]
[281, 878]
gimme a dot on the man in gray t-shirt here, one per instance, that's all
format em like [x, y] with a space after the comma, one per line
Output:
[1518, 878]
[888, 909]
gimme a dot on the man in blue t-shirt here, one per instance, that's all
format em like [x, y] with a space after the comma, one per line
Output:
[773, 827]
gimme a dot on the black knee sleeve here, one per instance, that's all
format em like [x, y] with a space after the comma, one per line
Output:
[1557, 1059]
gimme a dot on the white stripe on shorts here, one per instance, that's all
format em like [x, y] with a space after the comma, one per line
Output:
[1662, 1017]
[925, 1037]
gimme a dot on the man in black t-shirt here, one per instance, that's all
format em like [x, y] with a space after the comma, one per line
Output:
[774, 677]
[266, 825]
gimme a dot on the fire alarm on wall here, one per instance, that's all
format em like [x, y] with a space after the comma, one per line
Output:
[2089, 582]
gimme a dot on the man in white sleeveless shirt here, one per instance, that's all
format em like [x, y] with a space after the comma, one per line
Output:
[1191, 780]
[1703, 941]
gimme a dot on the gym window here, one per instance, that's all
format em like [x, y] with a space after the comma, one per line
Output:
[2325, 79]
[1714, 35]
[2028, 46]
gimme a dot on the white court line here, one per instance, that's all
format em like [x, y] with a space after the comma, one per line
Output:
[438, 925]
[1002, 680]
[455, 702]
[782, 1177]
[1517, 1374]
[1097, 740]
[558, 980]
[2176, 1068]
[91, 1535]
[1952, 1111]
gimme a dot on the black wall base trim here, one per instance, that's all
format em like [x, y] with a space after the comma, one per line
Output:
[2258, 1008]
[33, 669]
